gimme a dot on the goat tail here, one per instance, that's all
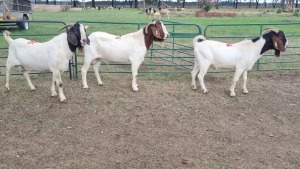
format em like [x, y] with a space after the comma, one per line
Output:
[7, 37]
[195, 40]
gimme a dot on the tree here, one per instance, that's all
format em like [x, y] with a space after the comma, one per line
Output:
[112, 3]
[282, 3]
[217, 4]
[290, 5]
[74, 3]
[250, 1]
[274, 2]
[183, 3]
[159, 4]
[235, 4]
[257, 1]
[93, 4]
[136, 3]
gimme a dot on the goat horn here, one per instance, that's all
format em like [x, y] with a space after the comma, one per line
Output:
[68, 25]
[270, 29]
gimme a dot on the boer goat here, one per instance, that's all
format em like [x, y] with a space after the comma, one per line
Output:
[164, 12]
[130, 48]
[53, 55]
[240, 56]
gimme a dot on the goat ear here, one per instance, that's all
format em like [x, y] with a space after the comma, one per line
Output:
[156, 32]
[277, 43]
[72, 38]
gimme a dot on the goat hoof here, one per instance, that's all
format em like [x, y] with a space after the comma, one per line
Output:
[85, 87]
[135, 90]
[232, 94]
[63, 99]
[205, 92]
[245, 91]
[100, 84]
[194, 87]
[53, 94]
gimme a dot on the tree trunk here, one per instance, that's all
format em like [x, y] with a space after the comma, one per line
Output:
[159, 3]
[136, 4]
[257, 1]
[74, 3]
[282, 3]
[93, 4]
[112, 3]
[217, 4]
[250, 3]
[265, 3]
[183, 3]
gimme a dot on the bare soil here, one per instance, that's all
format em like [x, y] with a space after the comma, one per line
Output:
[164, 125]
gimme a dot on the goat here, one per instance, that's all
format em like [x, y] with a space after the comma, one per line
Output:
[157, 15]
[164, 12]
[240, 56]
[52, 55]
[150, 12]
[130, 48]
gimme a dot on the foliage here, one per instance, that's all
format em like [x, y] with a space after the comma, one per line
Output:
[206, 6]
[279, 11]
[296, 12]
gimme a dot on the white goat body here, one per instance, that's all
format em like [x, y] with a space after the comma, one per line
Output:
[105, 46]
[23, 52]
[52, 55]
[229, 55]
[130, 48]
[240, 56]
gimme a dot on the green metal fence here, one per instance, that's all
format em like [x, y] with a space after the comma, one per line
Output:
[174, 55]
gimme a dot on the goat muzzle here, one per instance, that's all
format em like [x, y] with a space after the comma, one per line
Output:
[277, 53]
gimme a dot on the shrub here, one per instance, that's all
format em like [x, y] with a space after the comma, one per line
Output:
[278, 11]
[296, 12]
[206, 6]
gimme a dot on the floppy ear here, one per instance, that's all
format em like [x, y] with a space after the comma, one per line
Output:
[71, 37]
[278, 43]
[156, 32]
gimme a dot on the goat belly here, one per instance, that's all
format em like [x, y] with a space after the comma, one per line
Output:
[32, 58]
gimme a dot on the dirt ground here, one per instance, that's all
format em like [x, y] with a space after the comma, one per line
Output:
[164, 125]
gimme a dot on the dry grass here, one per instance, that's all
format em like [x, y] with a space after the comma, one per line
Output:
[165, 125]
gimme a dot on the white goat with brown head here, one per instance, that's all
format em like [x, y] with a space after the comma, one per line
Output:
[130, 48]
[53, 55]
[240, 56]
